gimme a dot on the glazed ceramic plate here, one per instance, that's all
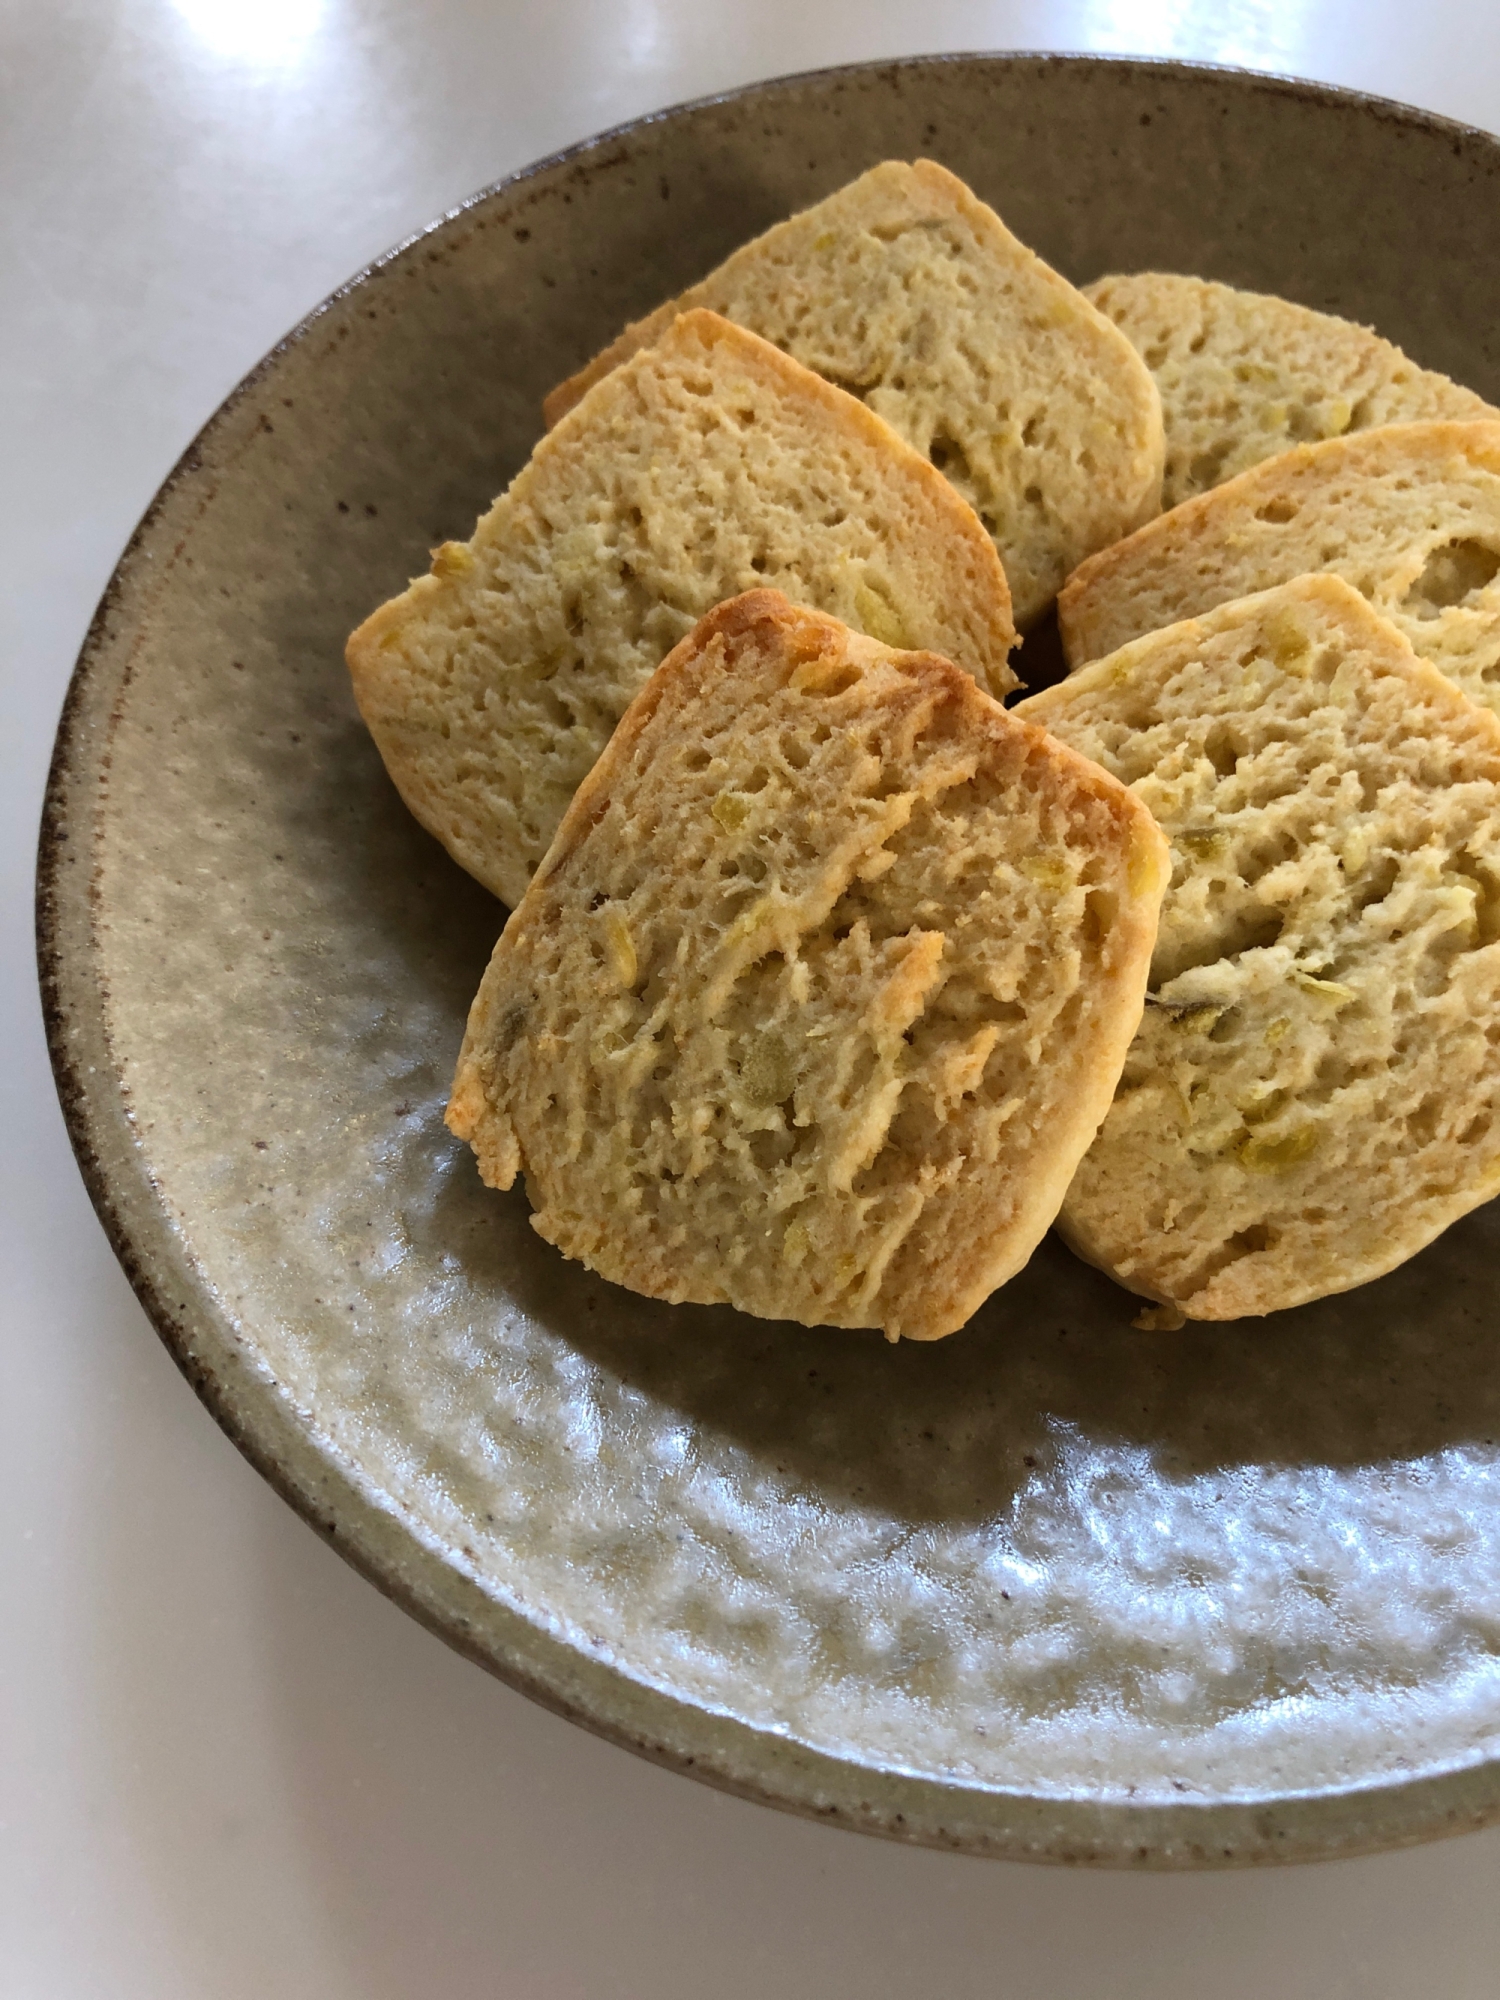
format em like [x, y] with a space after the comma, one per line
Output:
[1049, 1588]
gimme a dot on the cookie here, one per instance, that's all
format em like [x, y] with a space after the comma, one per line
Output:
[822, 989]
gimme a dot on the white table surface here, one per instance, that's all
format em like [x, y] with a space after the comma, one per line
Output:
[230, 1767]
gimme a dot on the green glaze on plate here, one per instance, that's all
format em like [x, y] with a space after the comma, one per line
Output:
[1049, 1588]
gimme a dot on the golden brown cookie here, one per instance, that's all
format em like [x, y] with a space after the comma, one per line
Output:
[821, 990]
[709, 465]
[909, 291]
[1315, 1089]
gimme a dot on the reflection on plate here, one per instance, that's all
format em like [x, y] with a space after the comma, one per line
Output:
[1051, 1587]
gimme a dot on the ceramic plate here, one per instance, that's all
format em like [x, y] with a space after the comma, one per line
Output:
[1049, 1588]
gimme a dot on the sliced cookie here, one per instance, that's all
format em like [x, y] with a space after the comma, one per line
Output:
[1244, 376]
[821, 990]
[708, 465]
[1315, 1089]
[906, 289]
[1409, 515]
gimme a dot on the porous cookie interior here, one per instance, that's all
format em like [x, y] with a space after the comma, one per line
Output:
[1244, 375]
[709, 465]
[909, 292]
[822, 990]
[1409, 515]
[1312, 1095]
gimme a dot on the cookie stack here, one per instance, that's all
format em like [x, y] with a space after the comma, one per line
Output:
[831, 983]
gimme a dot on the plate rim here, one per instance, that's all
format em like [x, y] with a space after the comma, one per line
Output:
[429, 1582]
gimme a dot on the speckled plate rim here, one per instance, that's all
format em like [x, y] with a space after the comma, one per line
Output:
[371, 1531]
